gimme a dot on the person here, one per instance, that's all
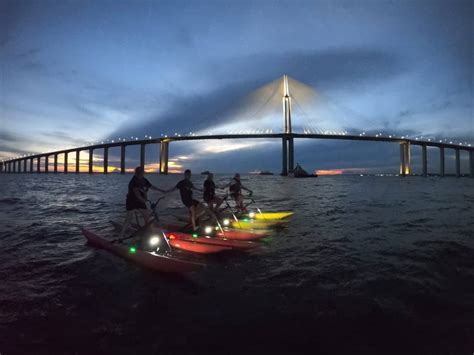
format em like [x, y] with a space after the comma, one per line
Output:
[235, 188]
[186, 188]
[137, 197]
[209, 194]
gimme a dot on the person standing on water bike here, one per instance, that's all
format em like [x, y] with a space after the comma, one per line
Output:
[235, 188]
[137, 197]
[209, 194]
[186, 188]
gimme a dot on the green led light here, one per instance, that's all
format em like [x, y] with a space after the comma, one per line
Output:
[246, 219]
[132, 250]
[195, 235]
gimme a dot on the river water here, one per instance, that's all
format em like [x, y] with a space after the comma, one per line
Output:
[367, 265]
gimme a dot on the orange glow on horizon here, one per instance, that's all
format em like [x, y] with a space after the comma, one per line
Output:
[330, 172]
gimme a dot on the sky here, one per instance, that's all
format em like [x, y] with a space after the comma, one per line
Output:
[74, 72]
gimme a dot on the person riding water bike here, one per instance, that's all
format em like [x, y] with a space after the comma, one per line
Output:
[235, 188]
[209, 194]
[137, 198]
[186, 188]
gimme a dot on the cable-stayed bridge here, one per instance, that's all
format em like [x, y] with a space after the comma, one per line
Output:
[41, 162]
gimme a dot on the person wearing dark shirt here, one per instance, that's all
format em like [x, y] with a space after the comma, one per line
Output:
[209, 194]
[186, 188]
[137, 197]
[235, 188]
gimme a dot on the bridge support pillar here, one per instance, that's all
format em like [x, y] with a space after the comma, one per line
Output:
[78, 161]
[122, 159]
[106, 160]
[424, 160]
[9, 167]
[471, 163]
[284, 157]
[91, 160]
[405, 156]
[24, 165]
[164, 153]
[142, 156]
[31, 165]
[46, 163]
[458, 164]
[55, 163]
[14, 166]
[441, 161]
[65, 163]
[291, 155]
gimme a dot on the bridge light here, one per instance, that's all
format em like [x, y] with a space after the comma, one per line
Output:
[450, 142]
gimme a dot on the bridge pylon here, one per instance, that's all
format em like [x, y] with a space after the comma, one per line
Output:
[288, 151]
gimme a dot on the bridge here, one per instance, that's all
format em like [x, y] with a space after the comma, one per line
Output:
[33, 163]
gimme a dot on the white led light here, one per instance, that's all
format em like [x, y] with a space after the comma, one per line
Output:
[154, 241]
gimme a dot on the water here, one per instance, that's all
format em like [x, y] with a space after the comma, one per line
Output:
[367, 265]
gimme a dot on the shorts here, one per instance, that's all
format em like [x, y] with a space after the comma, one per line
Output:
[189, 203]
[133, 204]
[208, 198]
